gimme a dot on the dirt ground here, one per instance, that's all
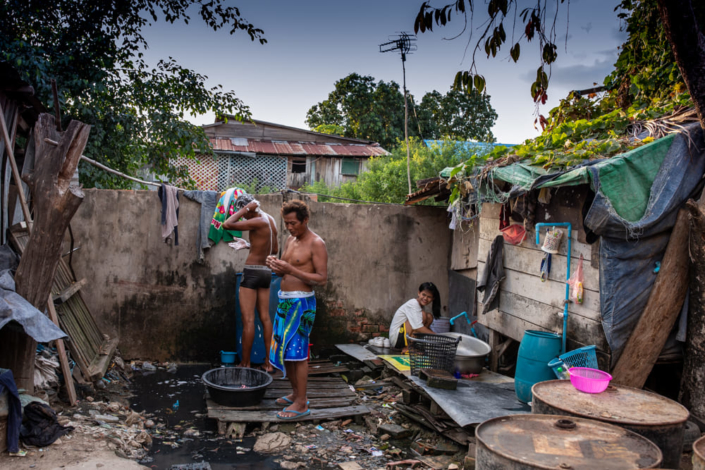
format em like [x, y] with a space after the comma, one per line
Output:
[75, 451]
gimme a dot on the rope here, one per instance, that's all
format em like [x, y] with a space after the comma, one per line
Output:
[123, 175]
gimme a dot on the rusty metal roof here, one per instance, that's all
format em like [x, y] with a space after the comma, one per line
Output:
[285, 147]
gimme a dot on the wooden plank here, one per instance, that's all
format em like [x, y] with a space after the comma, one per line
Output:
[327, 385]
[583, 330]
[494, 345]
[315, 393]
[489, 229]
[661, 312]
[520, 258]
[69, 291]
[465, 247]
[317, 370]
[63, 359]
[549, 292]
[514, 328]
[99, 365]
[271, 416]
[268, 404]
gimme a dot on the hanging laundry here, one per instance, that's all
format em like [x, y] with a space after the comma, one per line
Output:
[208, 201]
[224, 209]
[169, 196]
[493, 275]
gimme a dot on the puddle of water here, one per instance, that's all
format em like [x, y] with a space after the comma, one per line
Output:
[157, 392]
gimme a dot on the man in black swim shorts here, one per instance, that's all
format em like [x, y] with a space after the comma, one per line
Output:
[256, 276]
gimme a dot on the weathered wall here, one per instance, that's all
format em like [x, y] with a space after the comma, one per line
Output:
[163, 304]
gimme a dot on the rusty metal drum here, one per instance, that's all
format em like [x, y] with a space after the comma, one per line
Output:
[699, 454]
[532, 442]
[660, 420]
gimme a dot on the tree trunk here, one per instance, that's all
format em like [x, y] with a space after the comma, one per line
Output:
[688, 45]
[692, 394]
[55, 203]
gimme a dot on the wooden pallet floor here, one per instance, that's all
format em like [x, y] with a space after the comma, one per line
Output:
[330, 398]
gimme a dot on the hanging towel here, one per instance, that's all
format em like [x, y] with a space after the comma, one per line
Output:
[169, 196]
[224, 209]
[208, 201]
[493, 275]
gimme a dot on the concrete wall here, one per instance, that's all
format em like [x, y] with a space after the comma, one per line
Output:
[165, 305]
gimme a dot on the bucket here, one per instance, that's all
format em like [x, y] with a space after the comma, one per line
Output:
[537, 349]
[552, 242]
[227, 357]
[441, 325]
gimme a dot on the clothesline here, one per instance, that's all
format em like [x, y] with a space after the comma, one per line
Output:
[118, 173]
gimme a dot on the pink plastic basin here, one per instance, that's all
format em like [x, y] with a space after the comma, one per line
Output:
[589, 380]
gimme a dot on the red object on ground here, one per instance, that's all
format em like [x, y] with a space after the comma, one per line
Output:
[309, 351]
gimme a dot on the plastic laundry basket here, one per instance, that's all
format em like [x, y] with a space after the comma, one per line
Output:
[432, 352]
[581, 357]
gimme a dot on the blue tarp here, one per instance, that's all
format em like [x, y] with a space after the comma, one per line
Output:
[629, 250]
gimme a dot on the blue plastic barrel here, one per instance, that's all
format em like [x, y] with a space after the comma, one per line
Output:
[258, 350]
[537, 349]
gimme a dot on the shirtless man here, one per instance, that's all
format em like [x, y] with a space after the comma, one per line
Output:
[256, 277]
[304, 264]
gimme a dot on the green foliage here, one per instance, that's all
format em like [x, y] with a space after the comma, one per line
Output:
[361, 108]
[645, 85]
[253, 187]
[385, 179]
[456, 116]
[94, 51]
[332, 129]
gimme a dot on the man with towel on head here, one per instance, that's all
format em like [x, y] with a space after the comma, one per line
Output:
[304, 264]
[256, 277]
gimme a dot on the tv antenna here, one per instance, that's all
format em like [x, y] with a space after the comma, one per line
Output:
[405, 44]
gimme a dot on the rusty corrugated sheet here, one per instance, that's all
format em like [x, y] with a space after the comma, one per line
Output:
[280, 147]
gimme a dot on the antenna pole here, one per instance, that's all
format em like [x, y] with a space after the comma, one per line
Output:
[406, 122]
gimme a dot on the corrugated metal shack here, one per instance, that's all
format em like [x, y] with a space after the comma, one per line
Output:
[277, 157]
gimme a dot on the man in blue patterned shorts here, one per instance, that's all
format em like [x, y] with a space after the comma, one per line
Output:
[304, 264]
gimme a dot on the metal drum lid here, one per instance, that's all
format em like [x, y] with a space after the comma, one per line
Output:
[561, 442]
[699, 454]
[618, 404]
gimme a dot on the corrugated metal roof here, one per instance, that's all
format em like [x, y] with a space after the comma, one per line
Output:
[279, 147]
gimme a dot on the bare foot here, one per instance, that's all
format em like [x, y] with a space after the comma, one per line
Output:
[267, 367]
[245, 364]
[281, 401]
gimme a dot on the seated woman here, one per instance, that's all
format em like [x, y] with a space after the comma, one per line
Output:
[411, 318]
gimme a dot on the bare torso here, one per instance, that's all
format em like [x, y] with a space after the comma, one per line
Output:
[262, 241]
[299, 254]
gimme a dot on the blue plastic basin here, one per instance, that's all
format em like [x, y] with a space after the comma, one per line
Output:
[227, 357]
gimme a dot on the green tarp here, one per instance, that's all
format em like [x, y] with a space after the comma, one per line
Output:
[625, 179]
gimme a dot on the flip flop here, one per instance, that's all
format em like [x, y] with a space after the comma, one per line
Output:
[290, 402]
[297, 414]
[287, 406]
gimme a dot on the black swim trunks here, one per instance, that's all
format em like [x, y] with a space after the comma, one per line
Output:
[256, 277]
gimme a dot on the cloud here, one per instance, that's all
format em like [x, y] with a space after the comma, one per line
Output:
[577, 76]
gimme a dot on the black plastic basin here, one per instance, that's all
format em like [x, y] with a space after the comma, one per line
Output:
[225, 385]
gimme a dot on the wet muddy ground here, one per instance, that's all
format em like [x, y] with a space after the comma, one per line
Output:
[187, 435]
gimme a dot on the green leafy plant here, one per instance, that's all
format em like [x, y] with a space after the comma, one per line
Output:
[94, 50]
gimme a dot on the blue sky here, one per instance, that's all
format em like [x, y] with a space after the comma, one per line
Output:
[313, 43]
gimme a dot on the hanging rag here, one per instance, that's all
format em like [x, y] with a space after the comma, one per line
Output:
[514, 234]
[208, 201]
[14, 417]
[493, 275]
[41, 426]
[169, 196]
[504, 213]
[224, 209]
[453, 209]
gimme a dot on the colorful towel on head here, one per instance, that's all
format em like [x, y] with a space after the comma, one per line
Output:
[224, 209]
[292, 326]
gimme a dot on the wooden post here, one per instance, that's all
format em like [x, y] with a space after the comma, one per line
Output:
[494, 350]
[65, 369]
[692, 393]
[661, 312]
